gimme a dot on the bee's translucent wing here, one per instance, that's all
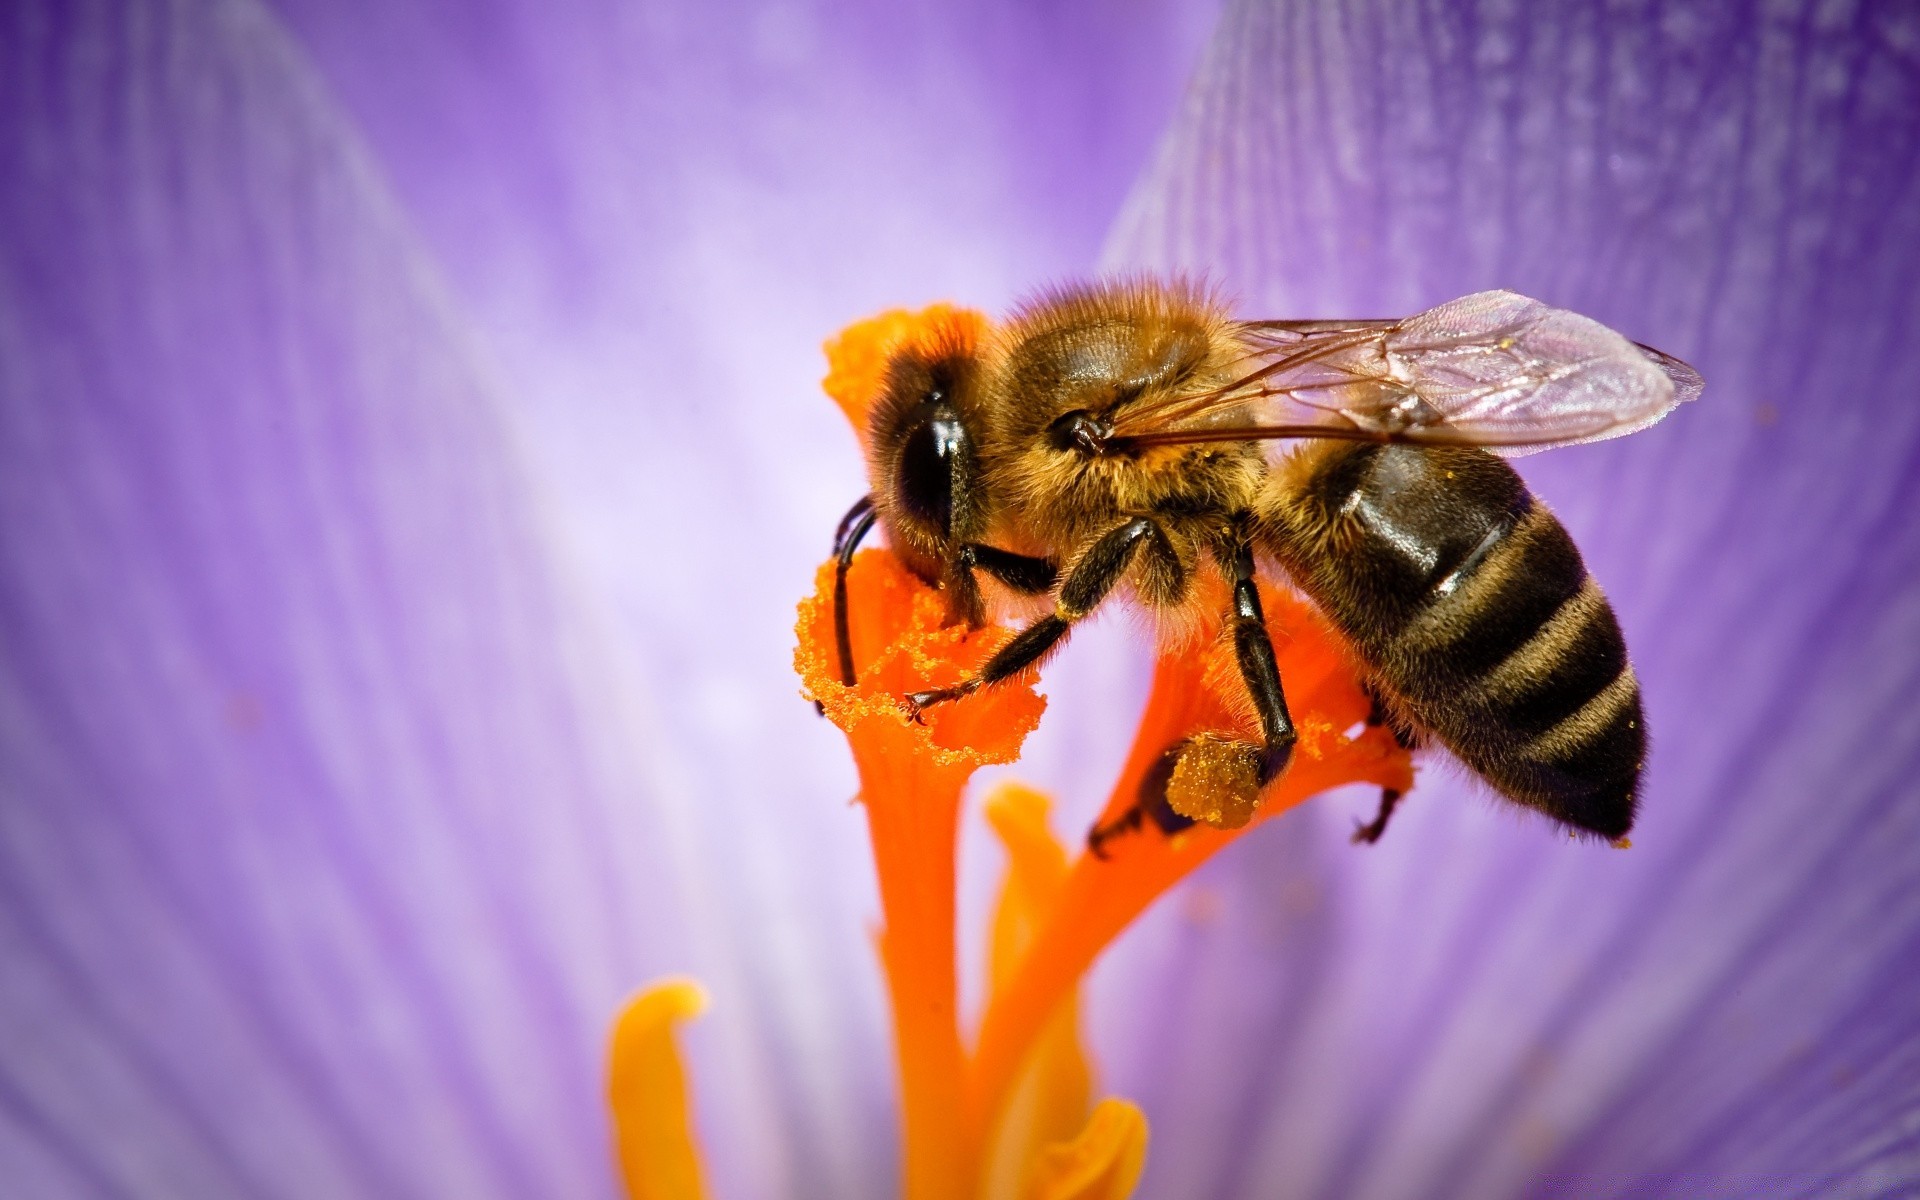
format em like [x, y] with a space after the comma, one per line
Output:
[1493, 369]
[1687, 382]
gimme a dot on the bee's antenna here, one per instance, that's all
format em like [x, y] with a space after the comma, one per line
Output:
[853, 528]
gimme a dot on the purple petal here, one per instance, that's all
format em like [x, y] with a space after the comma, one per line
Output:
[322, 859]
[412, 454]
[1476, 1009]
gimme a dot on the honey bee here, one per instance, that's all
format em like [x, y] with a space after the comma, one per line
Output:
[1122, 437]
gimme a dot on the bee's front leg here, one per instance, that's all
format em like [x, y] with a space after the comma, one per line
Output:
[853, 530]
[1023, 573]
[1093, 577]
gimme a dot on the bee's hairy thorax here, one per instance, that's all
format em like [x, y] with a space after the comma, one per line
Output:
[1061, 499]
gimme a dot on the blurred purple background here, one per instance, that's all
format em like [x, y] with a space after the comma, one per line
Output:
[411, 451]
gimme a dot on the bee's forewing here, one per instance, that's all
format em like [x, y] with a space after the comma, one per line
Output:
[1493, 369]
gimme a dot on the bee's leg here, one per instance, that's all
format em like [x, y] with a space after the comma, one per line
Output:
[1253, 647]
[1023, 573]
[1218, 778]
[1369, 833]
[1100, 835]
[1150, 803]
[1378, 714]
[1093, 576]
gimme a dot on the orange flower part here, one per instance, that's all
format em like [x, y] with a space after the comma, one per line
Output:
[911, 776]
[1193, 694]
[1050, 1100]
[1102, 1163]
[647, 1090]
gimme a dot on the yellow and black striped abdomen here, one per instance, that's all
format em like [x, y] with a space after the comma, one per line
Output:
[1470, 604]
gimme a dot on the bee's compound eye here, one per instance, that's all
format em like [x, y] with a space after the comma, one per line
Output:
[934, 445]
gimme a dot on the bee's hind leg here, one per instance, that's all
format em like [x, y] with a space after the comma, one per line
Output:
[1219, 779]
[1150, 804]
[1369, 833]
[1380, 713]
[1253, 647]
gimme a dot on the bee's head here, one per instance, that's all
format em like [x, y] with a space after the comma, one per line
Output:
[923, 464]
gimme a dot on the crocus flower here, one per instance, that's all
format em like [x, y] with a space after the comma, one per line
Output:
[413, 451]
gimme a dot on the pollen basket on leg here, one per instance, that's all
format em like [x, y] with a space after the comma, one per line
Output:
[1216, 781]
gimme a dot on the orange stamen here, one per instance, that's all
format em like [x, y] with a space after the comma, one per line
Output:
[1102, 1163]
[911, 775]
[1049, 1102]
[647, 1090]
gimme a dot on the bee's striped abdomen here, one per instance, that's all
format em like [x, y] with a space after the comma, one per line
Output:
[1472, 606]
